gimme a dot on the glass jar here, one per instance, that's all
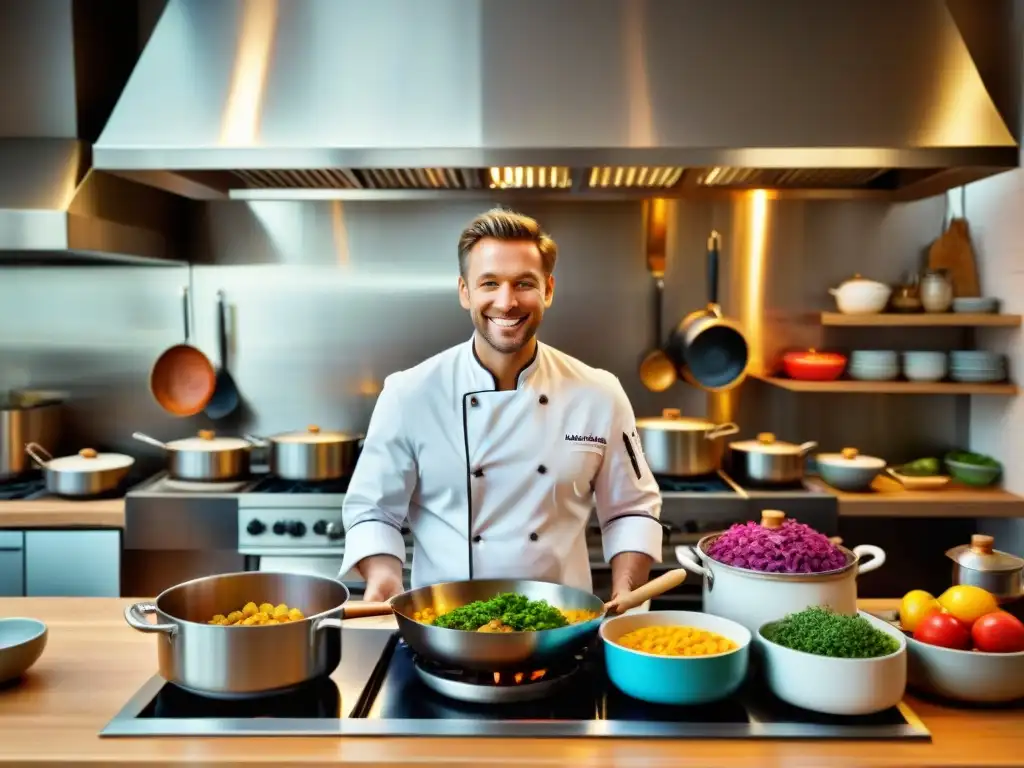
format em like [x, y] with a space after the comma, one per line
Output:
[936, 291]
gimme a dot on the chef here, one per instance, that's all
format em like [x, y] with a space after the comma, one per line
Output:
[495, 452]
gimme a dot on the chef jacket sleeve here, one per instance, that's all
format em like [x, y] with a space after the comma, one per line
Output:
[377, 500]
[625, 492]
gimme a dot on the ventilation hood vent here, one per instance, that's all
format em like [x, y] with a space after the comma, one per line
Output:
[253, 99]
[61, 60]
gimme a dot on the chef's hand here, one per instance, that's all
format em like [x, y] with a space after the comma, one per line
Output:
[629, 571]
[383, 574]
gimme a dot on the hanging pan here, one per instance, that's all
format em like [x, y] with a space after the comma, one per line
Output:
[657, 371]
[183, 380]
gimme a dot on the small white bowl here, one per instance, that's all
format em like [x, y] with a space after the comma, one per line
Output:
[925, 366]
[837, 686]
[21, 644]
[981, 305]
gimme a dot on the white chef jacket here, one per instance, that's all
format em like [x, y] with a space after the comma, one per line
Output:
[501, 484]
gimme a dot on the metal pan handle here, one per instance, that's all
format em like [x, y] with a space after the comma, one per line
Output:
[713, 242]
[136, 614]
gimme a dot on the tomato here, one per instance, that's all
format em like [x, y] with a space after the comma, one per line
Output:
[945, 630]
[998, 632]
[915, 606]
[967, 602]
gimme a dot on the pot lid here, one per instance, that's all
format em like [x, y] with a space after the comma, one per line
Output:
[766, 443]
[207, 440]
[850, 457]
[313, 434]
[857, 279]
[980, 556]
[88, 460]
[672, 419]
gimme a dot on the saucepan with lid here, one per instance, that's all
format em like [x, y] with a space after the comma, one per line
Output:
[681, 446]
[768, 461]
[980, 565]
[88, 473]
[494, 647]
[311, 455]
[206, 457]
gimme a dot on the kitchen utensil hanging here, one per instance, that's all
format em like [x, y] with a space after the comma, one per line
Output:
[183, 380]
[952, 251]
[225, 396]
[657, 371]
[711, 350]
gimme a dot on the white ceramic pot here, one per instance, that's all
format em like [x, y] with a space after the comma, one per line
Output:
[859, 296]
[753, 598]
[837, 686]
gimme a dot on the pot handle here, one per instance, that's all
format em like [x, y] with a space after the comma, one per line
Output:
[810, 445]
[722, 430]
[39, 455]
[360, 609]
[257, 441]
[149, 440]
[653, 588]
[688, 560]
[328, 623]
[876, 561]
[136, 614]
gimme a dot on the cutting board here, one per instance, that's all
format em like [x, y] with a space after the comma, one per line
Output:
[952, 252]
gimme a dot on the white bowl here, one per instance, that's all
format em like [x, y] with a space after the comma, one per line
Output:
[21, 644]
[837, 686]
[882, 373]
[861, 297]
[984, 678]
[976, 304]
[925, 366]
[874, 357]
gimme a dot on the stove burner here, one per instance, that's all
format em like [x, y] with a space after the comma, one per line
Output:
[21, 488]
[495, 687]
[272, 484]
[701, 484]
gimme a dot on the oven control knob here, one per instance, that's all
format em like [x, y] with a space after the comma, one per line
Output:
[255, 527]
[335, 531]
[320, 527]
[279, 528]
[297, 528]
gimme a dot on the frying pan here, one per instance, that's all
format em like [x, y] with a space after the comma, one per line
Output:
[657, 371]
[225, 396]
[514, 651]
[711, 348]
[183, 380]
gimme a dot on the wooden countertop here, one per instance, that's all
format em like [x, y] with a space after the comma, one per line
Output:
[94, 663]
[62, 513]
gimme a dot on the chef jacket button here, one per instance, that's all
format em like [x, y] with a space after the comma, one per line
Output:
[474, 402]
[477, 539]
[543, 399]
[542, 469]
[478, 472]
[534, 536]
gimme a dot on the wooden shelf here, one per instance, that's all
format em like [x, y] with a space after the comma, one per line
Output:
[847, 386]
[887, 498]
[946, 319]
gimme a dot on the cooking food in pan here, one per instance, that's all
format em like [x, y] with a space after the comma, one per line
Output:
[258, 615]
[507, 612]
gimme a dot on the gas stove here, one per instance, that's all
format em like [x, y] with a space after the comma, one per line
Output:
[382, 689]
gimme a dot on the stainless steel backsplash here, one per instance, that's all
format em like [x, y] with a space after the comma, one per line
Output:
[327, 299]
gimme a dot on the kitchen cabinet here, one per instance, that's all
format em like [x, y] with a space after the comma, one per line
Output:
[73, 563]
[60, 563]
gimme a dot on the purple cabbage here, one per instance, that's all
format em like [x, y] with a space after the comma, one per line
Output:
[791, 548]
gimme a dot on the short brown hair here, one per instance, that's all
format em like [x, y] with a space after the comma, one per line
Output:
[503, 224]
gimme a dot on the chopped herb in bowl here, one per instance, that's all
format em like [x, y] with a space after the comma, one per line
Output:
[824, 632]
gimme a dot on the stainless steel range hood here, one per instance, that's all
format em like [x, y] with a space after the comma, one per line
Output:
[357, 99]
[61, 60]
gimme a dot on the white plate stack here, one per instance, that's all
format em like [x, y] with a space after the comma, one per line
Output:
[977, 367]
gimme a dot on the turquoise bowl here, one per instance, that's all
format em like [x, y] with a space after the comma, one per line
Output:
[675, 680]
[974, 474]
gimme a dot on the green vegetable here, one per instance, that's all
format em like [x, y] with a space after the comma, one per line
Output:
[975, 459]
[823, 632]
[514, 610]
[921, 468]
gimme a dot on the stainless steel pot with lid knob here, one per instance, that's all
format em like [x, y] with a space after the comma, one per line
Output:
[980, 565]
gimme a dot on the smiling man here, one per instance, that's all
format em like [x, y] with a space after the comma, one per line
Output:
[496, 451]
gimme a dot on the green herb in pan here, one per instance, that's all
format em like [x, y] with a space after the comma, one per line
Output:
[823, 632]
[511, 609]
